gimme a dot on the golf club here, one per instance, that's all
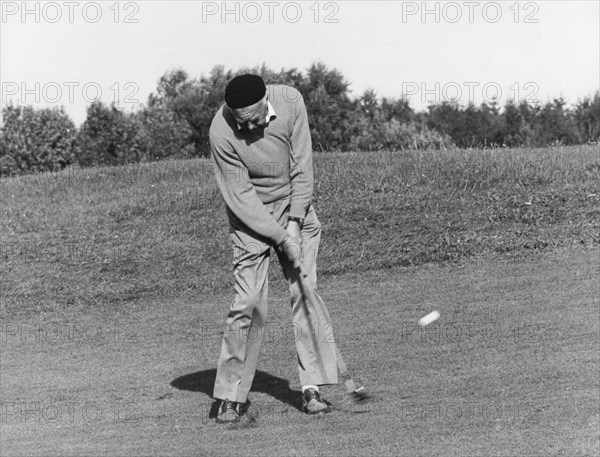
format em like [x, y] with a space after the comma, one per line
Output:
[359, 393]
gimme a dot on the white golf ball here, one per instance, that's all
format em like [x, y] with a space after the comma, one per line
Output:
[431, 317]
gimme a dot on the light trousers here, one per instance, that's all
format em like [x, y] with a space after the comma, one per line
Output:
[245, 324]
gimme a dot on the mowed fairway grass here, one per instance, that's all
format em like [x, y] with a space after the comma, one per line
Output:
[115, 283]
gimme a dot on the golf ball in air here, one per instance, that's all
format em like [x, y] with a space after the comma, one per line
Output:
[431, 317]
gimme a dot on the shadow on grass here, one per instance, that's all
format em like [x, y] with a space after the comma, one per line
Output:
[204, 381]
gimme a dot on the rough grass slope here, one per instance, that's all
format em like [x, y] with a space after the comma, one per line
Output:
[105, 236]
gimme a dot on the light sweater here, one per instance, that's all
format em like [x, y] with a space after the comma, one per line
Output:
[257, 168]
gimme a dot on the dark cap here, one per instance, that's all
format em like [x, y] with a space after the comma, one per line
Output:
[244, 90]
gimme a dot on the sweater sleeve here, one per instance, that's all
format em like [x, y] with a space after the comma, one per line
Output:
[301, 166]
[239, 194]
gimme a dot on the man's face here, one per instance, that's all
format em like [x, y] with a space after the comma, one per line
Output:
[252, 117]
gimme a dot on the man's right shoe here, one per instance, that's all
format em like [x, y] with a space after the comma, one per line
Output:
[228, 412]
[312, 403]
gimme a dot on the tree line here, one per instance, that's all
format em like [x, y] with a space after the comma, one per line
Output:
[175, 121]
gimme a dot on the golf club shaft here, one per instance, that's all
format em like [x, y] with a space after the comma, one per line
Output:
[310, 295]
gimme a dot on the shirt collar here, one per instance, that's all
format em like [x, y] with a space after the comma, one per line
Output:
[271, 114]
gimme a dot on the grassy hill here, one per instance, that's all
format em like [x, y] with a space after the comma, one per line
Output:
[108, 236]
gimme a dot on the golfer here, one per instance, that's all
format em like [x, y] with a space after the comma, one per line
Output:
[261, 146]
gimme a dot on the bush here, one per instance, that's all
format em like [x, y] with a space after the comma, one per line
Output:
[159, 135]
[34, 140]
[107, 137]
[587, 117]
[112, 137]
[556, 125]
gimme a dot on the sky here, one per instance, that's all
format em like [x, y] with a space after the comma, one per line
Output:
[69, 53]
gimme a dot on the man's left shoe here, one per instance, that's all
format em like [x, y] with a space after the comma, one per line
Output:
[312, 403]
[228, 412]
[231, 411]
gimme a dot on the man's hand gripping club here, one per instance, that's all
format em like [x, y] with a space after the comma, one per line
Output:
[291, 246]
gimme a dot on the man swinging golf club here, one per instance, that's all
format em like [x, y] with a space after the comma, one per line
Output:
[261, 146]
